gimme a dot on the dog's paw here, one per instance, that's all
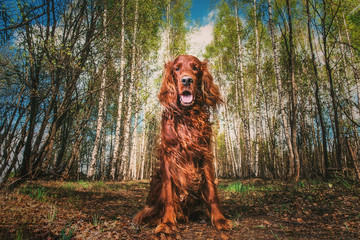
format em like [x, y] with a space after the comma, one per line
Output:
[167, 228]
[223, 224]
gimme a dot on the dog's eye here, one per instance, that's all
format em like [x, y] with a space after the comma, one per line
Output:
[177, 69]
[195, 68]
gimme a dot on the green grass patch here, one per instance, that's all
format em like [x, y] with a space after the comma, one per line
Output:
[238, 187]
[81, 184]
[36, 192]
[19, 234]
[69, 186]
[99, 185]
[67, 233]
[84, 184]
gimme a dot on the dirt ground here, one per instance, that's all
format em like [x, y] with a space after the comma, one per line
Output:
[104, 210]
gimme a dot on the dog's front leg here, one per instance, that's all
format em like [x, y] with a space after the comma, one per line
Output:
[168, 221]
[217, 217]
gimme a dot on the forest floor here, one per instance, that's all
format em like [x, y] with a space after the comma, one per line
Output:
[104, 210]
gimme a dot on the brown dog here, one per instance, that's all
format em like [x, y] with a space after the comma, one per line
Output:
[186, 174]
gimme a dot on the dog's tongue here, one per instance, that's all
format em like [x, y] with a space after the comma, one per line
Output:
[188, 98]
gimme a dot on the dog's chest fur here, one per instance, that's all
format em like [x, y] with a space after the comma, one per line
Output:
[193, 137]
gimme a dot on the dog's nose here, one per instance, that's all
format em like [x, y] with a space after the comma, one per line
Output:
[186, 81]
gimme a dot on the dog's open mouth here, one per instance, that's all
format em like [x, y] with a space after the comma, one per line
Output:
[186, 98]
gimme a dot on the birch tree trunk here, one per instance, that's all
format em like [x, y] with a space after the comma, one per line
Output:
[116, 150]
[167, 32]
[293, 123]
[103, 155]
[99, 126]
[127, 123]
[317, 92]
[280, 92]
[237, 157]
[238, 138]
[229, 148]
[101, 110]
[329, 74]
[134, 142]
[244, 102]
[143, 149]
[237, 123]
[257, 96]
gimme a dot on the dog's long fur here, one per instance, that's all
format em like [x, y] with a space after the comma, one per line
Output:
[185, 177]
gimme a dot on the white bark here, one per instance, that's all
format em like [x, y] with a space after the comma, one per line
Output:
[103, 156]
[258, 113]
[143, 138]
[99, 126]
[127, 123]
[244, 100]
[120, 98]
[101, 111]
[229, 148]
[143, 149]
[280, 93]
[167, 32]
[134, 142]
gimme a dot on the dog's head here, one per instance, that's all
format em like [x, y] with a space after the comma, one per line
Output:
[187, 82]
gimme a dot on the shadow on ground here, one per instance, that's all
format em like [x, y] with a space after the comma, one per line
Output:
[104, 210]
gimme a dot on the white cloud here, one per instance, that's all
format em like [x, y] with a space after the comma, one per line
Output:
[210, 18]
[199, 38]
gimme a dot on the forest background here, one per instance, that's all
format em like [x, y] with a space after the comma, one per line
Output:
[79, 82]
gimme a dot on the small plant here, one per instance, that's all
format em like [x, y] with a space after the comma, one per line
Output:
[52, 213]
[35, 192]
[275, 235]
[343, 182]
[19, 234]
[96, 220]
[302, 184]
[67, 232]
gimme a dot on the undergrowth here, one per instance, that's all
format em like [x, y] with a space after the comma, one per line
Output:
[34, 191]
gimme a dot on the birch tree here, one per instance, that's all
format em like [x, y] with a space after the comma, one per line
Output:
[257, 96]
[294, 107]
[176, 14]
[244, 102]
[280, 92]
[317, 91]
[101, 108]
[115, 155]
[327, 20]
[123, 163]
[99, 127]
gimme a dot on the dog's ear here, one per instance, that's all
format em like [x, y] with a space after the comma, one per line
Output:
[210, 90]
[168, 95]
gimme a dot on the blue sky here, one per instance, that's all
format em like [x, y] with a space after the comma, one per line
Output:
[200, 10]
